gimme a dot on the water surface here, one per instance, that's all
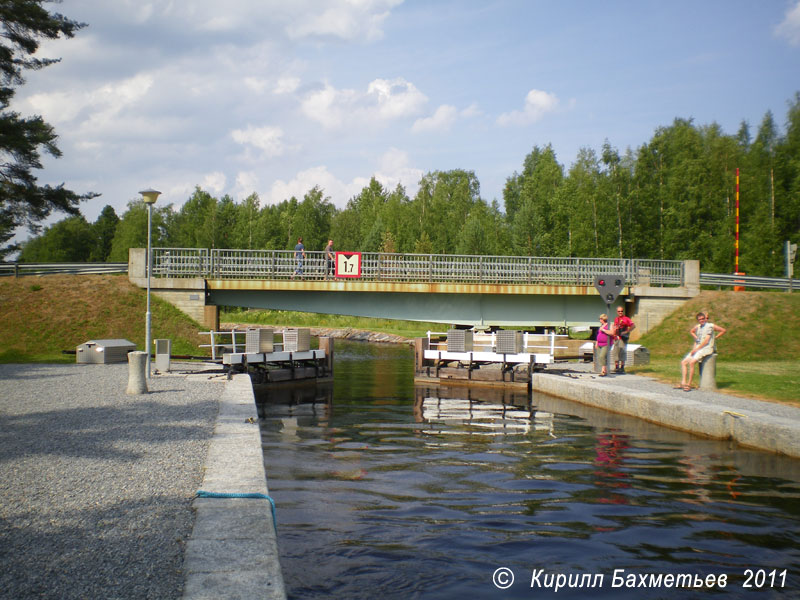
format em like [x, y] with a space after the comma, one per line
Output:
[387, 490]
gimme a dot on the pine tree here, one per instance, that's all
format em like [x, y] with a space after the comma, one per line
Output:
[23, 24]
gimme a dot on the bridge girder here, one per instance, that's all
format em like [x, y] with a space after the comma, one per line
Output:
[477, 305]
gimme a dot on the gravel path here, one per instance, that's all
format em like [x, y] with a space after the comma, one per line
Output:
[96, 486]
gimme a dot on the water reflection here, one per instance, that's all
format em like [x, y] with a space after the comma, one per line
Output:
[390, 490]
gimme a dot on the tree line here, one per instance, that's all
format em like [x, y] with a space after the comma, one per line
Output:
[672, 198]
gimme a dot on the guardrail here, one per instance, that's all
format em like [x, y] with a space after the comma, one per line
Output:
[412, 268]
[748, 281]
[16, 269]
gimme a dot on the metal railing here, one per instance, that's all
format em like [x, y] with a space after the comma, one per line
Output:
[219, 346]
[750, 282]
[378, 266]
[412, 268]
[17, 269]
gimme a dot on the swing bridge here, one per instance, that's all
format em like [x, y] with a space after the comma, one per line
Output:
[480, 291]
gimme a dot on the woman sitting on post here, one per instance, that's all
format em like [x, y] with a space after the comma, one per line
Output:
[704, 334]
[604, 336]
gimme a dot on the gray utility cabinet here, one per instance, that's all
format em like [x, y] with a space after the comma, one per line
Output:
[459, 340]
[163, 355]
[104, 351]
[297, 340]
[509, 341]
[259, 340]
[637, 355]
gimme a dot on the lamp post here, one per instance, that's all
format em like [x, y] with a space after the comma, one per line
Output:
[149, 196]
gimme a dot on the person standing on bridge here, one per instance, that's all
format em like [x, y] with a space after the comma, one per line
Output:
[329, 260]
[622, 327]
[299, 256]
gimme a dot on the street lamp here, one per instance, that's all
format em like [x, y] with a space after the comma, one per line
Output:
[149, 196]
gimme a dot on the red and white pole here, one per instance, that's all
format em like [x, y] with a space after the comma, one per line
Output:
[736, 262]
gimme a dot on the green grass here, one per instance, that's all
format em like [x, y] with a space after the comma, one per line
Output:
[770, 380]
[759, 355]
[40, 317]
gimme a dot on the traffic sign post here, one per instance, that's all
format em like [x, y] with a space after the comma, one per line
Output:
[609, 287]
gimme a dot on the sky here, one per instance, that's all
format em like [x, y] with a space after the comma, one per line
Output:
[276, 96]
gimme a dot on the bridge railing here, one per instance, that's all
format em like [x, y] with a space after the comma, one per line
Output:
[411, 268]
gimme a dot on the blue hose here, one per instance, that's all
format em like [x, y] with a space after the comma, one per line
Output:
[205, 494]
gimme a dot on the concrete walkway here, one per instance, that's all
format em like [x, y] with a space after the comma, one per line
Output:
[769, 426]
[233, 549]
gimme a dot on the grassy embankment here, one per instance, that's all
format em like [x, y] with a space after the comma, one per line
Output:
[41, 316]
[759, 356]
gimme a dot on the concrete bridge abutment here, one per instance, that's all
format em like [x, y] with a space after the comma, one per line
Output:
[651, 305]
[186, 294]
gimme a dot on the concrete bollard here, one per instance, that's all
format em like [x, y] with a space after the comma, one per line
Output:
[708, 372]
[137, 367]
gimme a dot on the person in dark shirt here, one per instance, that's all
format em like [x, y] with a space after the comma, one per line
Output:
[299, 256]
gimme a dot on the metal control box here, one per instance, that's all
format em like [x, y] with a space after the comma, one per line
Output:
[259, 340]
[297, 340]
[104, 351]
[459, 340]
[509, 341]
[637, 355]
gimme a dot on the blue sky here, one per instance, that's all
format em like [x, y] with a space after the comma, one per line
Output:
[274, 97]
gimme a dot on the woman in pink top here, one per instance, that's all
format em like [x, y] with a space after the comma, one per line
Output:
[604, 336]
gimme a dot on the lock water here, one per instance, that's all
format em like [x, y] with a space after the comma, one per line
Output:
[387, 490]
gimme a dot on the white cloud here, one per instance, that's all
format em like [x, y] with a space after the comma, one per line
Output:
[394, 168]
[287, 85]
[344, 19]
[247, 182]
[104, 102]
[471, 111]
[306, 180]
[214, 182]
[789, 28]
[384, 100]
[256, 84]
[267, 139]
[394, 98]
[441, 120]
[537, 104]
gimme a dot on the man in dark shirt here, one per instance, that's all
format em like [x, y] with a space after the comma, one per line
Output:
[299, 255]
[329, 260]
